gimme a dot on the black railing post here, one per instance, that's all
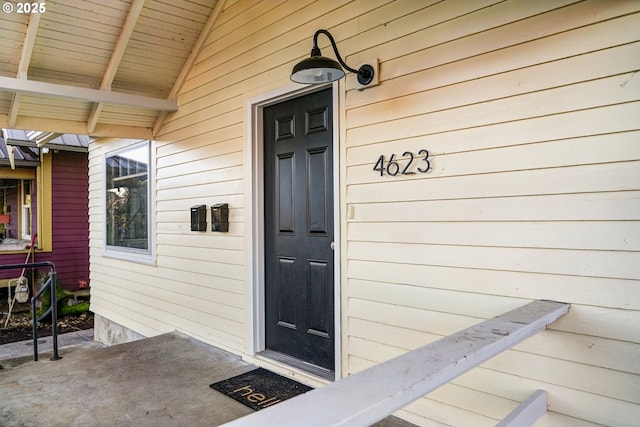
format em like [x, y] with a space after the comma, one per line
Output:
[34, 327]
[53, 309]
[54, 313]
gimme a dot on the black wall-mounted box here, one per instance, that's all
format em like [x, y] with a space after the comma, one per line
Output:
[199, 218]
[220, 217]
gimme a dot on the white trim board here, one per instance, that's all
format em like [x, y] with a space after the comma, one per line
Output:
[255, 221]
[374, 393]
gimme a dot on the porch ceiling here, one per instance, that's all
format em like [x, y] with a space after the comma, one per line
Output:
[102, 68]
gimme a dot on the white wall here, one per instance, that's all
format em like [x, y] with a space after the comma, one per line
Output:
[530, 113]
[532, 128]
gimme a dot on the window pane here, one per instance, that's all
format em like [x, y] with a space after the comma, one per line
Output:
[18, 213]
[127, 199]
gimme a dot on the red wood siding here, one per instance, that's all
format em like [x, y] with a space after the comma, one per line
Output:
[70, 217]
[70, 210]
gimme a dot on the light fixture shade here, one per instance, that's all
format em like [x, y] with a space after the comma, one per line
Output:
[317, 69]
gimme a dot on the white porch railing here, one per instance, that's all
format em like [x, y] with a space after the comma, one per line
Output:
[371, 395]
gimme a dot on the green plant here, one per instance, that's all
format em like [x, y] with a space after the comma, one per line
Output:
[63, 308]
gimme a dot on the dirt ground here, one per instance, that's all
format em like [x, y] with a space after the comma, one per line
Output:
[19, 326]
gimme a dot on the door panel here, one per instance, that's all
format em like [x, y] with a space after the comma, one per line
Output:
[319, 283]
[299, 287]
[285, 193]
[317, 191]
[285, 292]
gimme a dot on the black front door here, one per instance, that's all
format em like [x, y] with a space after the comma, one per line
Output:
[298, 168]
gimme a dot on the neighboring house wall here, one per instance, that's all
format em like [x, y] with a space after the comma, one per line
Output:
[69, 219]
[530, 113]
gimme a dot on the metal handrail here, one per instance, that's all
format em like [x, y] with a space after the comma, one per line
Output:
[53, 308]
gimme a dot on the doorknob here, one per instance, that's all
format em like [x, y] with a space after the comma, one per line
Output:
[333, 246]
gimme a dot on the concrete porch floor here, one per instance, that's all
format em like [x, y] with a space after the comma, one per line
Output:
[160, 381]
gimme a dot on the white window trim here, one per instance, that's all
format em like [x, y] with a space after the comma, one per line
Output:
[128, 254]
[26, 213]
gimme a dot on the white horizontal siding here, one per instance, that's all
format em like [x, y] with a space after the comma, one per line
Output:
[529, 111]
[596, 380]
[532, 260]
[200, 160]
[588, 350]
[517, 53]
[594, 206]
[530, 119]
[515, 284]
[565, 180]
[202, 294]
[583, 235]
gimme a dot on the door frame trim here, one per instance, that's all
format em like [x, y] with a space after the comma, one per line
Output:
[254, 202]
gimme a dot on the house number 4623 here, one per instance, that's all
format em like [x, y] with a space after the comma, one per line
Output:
[407, 165]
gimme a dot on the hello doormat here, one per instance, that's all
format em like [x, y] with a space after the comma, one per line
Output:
[259, 389]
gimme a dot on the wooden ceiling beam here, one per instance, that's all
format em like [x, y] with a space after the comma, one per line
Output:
[25, 60]
[92, 120]
[13, 109]
[188, 65]
[29, 42]
[116, 58]
[76, 127]
[86, 94]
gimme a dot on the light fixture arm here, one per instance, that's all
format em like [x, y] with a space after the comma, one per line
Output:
[316, 50]
[319, 69]
[364, 74]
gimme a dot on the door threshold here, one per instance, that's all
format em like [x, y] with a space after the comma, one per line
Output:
[301, 365]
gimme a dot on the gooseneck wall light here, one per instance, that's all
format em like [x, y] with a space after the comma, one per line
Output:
[320, 69]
